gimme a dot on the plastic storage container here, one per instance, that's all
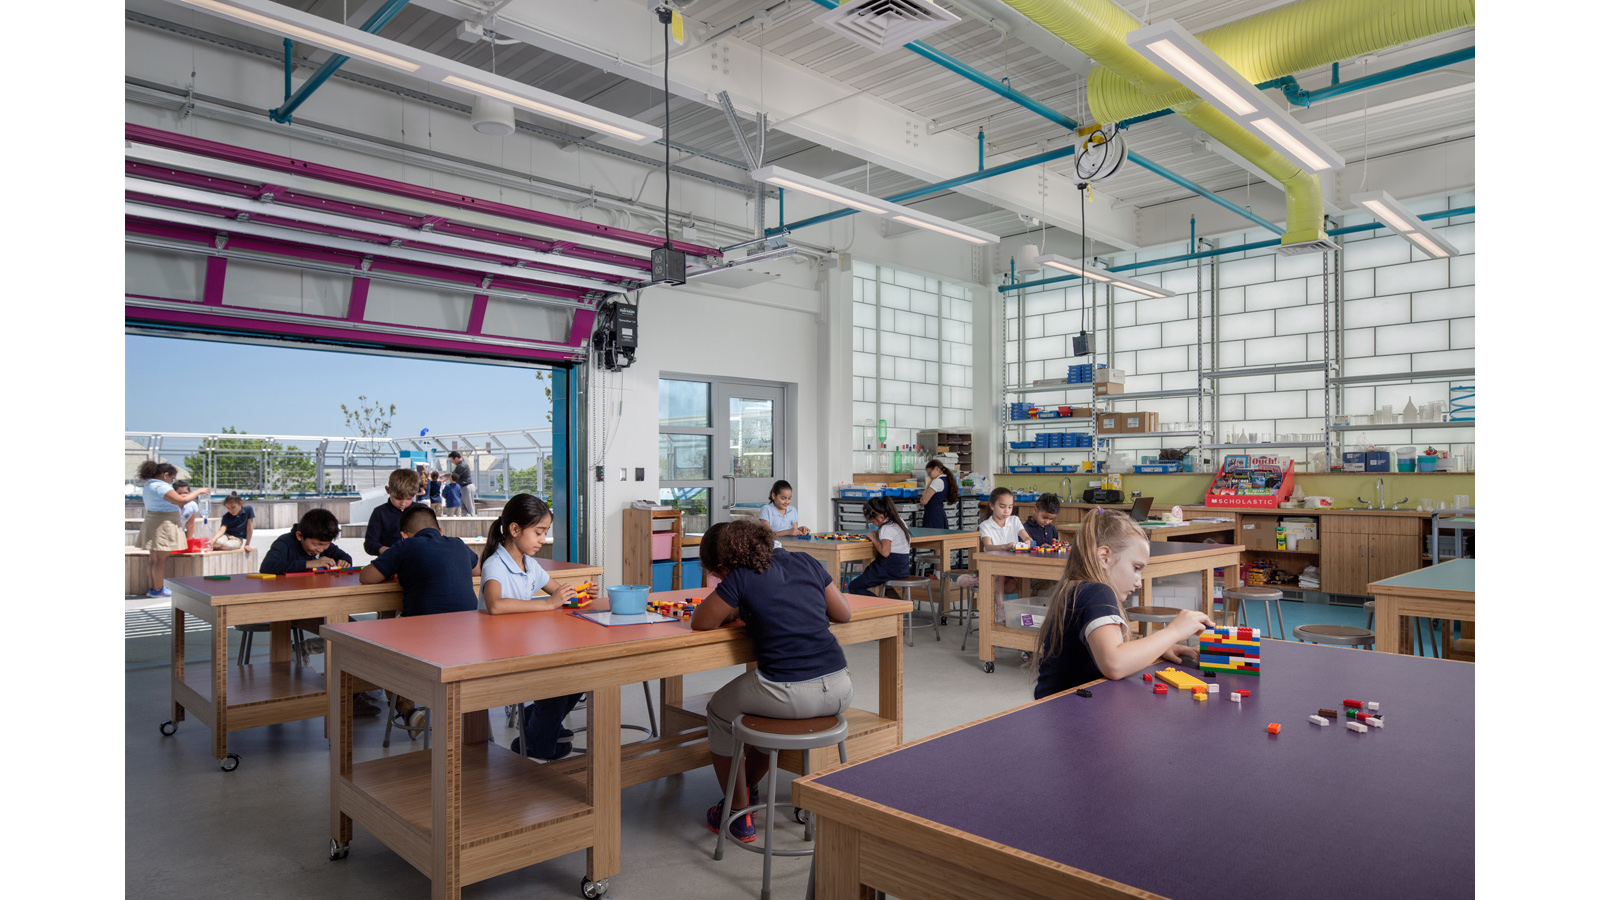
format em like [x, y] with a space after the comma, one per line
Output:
[1427, 464]
[628, 599]
[692, 576]
[1405, 459]
[661, 545]
[1024, 612]
[661, 576]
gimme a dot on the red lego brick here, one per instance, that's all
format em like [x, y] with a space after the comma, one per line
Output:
[1274, 728]
[1149, 677]
[1161, 689]
[1244, 693]
[1353, 704]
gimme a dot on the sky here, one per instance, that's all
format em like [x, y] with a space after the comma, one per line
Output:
[177, 385]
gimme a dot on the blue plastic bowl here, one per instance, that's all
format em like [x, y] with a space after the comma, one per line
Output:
[628, 599]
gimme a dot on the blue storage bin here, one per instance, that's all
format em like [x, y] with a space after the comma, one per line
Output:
[1377, 461]
[1022, 445]
[1024, 470]
[859, 493]
[661, 575]
[692, 576]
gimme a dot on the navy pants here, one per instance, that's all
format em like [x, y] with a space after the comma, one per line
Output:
[884, 568]
[541, 725]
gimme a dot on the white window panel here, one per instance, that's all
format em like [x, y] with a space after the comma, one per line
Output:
[1032, 371]
[1270, 351]
[869, 388]
[1300, 319]
[861, 411]
[865, 315]
[1391, 310]
[1358, 284]
[1429, 275]
[926, 349]
[1246, 325]
[925, 303]
[1462, 236]
[952, 289]
[1063, 323]
[1462, 334]
[954, 374]
[1138, 383]
[896, 345]
[1416, 338]
[1386, 250]
[1461, 270]
[1178, 381]
[1235, 272]
[1274, 294]
[1047, 348]
[858, 389]
[1397, 395]
[1177, 334]
[1166, 359]
[1012, 375]
[1309, 425]
[1439, 437]
[1167, 410]
[924, 394]
[961, 310]
[1011, 330]
[1359, 342]
[865, 364]
[1451, 303]
[1299, 381]
[960, 406]
[1304, 265]
[1230, 300]
[1377, 365]
[1138, 338]
[886, 367]
[893, 296]
[1230, 355]
[1249, 384]
[910, 323]
[960, 354]
[1126, 315]
[910, 370]
[869, 341]
[894, 391]
[1445, 359]
[1180, 280]
[856, 338]
[908, 417]
[947, 396]
[1162, 309]
[910, 280]
[1057, 368]
[1279, 405]
[1359, 400]
[858, 289]
[1010, 305]
[1033, 326]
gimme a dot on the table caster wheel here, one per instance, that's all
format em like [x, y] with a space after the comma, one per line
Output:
[943, 621]
[988, 668]
[230, 762]
[592, 889]
[1026, 656]
[337, 849]
[800, 815]
[169, 728]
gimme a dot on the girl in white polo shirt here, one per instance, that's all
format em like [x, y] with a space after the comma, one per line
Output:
[892, 543]
[1003, 531]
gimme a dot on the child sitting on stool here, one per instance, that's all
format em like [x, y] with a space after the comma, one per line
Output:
[892, 545]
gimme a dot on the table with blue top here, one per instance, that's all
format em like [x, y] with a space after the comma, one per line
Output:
[944, 541]
[1445, 591]
[1101, 796]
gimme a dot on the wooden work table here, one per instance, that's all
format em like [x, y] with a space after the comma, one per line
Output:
[944, 541]
[465, 809]
[228, 697]
[1446, 591]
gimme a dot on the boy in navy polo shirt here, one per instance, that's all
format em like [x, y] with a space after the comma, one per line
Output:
[452, 494]
[383, 526]
[435, 574]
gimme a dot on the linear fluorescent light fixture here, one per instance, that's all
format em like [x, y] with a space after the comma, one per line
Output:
[1072, 266]
[1180, 54]
[827, 190]
[354, 42]
[1393, 213]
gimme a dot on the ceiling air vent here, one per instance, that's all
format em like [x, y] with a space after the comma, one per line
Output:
[1321, 245]
[881, 25]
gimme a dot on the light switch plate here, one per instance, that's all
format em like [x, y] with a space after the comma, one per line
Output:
[638, 473]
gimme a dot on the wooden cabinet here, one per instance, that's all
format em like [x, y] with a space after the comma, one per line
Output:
[1358, 550]
[639, 528]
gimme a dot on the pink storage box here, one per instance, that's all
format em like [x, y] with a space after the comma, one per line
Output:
[661, 545]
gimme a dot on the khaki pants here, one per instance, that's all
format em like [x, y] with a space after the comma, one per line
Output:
[229, 542]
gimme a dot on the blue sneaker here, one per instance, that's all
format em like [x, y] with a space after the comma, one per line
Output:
[742, 828]
[164, 592]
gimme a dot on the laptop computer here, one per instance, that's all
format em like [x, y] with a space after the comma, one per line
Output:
[1141, 508]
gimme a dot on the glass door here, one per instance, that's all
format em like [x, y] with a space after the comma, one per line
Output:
[721, 444]
[753, 444]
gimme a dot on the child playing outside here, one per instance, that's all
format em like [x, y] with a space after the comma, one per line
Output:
[186, 515]
[435, 499]
[1041, 526]
[780, 513]
[383, 526]
[238, 524]
[892, 544]
[786, 601]
[435, 574]
[308, 545]
[1084, 637]
[511, 578]
[1002, 531]
[161, 532]
[452, 494]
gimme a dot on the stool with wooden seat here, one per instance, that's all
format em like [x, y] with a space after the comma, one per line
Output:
[1269, 597]
[905, 586]
[1145, 615]
[774, 736]
[966, 601]
[1343, 635]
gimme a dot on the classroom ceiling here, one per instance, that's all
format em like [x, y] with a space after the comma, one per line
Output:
[1423, 113]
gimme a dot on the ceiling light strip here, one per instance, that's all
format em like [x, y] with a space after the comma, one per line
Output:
[1405, 223]
[827, 190]
[1105, 276]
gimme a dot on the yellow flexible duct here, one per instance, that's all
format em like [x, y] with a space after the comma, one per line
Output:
[1274, 43]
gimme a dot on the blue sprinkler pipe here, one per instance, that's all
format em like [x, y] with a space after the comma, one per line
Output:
[285, 113]
[1242, 248]
[980, 149]
[1181, 181]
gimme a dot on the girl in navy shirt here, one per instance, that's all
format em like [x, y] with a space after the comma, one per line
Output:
[786, 601]
[1084, 637]
[942, 488]
[892, 543]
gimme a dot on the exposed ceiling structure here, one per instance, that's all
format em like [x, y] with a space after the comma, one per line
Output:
[882, 123]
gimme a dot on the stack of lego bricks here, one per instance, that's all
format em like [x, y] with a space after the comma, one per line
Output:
[1236, 651]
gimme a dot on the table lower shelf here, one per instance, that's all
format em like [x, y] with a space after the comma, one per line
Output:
[514, 811]
[268, 693]
[1026, 639]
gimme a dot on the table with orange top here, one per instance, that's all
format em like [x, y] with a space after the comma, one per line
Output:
[227, 697]
[465, 809]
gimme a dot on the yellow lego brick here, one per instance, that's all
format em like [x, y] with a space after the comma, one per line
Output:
[260, 575]
[1181, 680]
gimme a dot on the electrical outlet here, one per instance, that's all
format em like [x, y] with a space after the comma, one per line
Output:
[622, 473]
[638, 473]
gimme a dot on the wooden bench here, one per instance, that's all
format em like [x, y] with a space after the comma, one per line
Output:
[136, 565]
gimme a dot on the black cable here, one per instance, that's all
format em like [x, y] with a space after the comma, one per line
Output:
[664, 13]
[1083, 254]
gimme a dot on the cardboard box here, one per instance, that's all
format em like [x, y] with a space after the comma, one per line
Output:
[1108, 423]
[1103, 388]
[1076, 412]
[1137, 423]
[1355, 461]
[1110, 376]
[1377, 461]
[1312, 545]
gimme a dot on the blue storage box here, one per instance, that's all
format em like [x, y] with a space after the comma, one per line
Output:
[1024, 470]
[1355, 461]
[1054, 470]
[692, 577]
[859, 493]
[1022, 445]
[1156, 468]
[1377, 461]
[661, 575]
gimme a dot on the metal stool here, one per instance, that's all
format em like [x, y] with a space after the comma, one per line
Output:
[1144, 615]
[425, 729]
[1343, 635]
[1269, 598]
[649, 708]
[1433, 645]
[966, 601]
[905, 586]
[772, 736]
[248, 637]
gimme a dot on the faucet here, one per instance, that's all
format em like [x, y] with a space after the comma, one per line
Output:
[1380, 493]
[1067, 483]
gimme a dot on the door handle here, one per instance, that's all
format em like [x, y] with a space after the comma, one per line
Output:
[733, 492]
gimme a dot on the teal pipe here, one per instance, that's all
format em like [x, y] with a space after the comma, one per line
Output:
[288, 68]
[980, 149]
[1183, 182]
[781, 226]
[378, 19]
[1220, 251]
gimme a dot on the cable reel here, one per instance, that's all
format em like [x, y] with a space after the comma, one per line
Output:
[1101, 154]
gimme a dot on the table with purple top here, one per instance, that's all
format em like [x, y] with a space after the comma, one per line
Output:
[1073, 797]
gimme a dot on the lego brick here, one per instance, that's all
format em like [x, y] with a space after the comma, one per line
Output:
[1227, 671]
[1149, 677]
[1084, 692]
[1363, 716]
[1234, 697]
[218, 577]
[1274, 728]
[1160, 688]
[1245, 692]
[261, 575]
[1353, 704]
[1328, 713]
[1199, 695]
[1213, 688]
[298, 574]
[1318, 720]
[1349, 714]
[1375, 722]
[1179, 679]
[1356, 726]
[1372, 705]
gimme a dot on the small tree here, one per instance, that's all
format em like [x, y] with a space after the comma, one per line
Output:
[549, 395]
[370, 420]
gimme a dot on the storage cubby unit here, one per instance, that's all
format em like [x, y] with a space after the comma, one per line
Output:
[653, 538]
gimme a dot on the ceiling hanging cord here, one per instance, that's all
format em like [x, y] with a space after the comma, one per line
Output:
[665, 15]
[1365, 97]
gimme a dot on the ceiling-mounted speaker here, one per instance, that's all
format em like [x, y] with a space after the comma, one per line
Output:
[492, 117]
[1028, 259]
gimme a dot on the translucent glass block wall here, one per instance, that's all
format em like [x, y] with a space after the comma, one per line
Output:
[912, 362]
